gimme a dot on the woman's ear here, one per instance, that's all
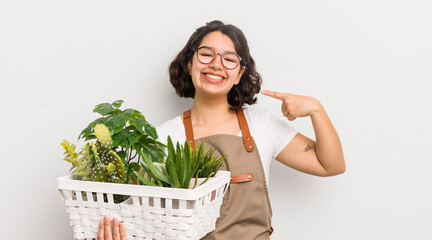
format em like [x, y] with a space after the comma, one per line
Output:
[240, 75]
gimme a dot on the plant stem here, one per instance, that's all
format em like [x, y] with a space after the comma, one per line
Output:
[127, 156]
[134, 155]
[130, 155]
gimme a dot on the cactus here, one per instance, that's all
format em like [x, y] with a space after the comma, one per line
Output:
[103, 165]
[103, 135]
[99, 174]
[110, 167]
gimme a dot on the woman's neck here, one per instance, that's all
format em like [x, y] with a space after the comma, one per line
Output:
[207, 110]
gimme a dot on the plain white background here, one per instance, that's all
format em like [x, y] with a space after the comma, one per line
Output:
[368, 62]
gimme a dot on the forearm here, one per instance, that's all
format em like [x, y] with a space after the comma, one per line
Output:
[328, 146]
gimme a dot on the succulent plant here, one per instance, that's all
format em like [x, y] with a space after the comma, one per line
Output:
[102, 165]
[120, 136]
[102, 133]
[109, 166]
[82, 162]
[181, 165]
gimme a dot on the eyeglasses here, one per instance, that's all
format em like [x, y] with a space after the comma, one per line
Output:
[206, 55]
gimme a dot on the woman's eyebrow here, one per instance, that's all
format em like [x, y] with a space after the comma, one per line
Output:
[217, 51]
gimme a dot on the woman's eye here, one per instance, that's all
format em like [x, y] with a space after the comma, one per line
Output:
[229, 60]
[206, 54]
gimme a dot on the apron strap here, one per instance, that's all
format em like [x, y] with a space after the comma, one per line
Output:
[247, 138]
[187, 121]
[239, 178]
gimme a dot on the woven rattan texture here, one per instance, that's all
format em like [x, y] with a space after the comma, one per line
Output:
[144, 217]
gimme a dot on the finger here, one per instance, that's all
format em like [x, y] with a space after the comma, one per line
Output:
[285, 111]
[107, 228]
[272, 94]
[123, 235]
[291, 117]
[100, 235]
[116, 231]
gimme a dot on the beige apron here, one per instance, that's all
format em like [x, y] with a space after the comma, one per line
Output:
[246, 211]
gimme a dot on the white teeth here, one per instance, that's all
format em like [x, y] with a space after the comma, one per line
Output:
[214, 77]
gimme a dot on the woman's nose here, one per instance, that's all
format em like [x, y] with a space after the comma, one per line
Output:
[217, 62]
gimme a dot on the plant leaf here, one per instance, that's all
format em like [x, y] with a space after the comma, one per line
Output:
[117, 104]
[144, 180]
[155, 155]
[143, 126]
[171, 150]
[138, 114]
[127, 114]
[120, 139]
[178, 161]
[103, 109]
[88, 131]
[122, 155]
[186, 164]
[156, 172]
[130, 168]
[115, 120]
[139, 124]
[132, 138]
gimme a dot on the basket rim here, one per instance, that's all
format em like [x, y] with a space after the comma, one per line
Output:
[221, 178]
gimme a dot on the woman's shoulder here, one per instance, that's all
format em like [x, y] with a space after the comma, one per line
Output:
[173, 127]
[266, 121]
[258, 114]
[258, 120]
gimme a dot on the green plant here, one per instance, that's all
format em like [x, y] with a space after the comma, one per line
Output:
[132, 135]
[82, 162]
[129, 130]
[121, 136]
[181, 165]
[98, 163]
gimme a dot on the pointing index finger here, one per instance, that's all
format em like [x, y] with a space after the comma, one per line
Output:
[272, 94]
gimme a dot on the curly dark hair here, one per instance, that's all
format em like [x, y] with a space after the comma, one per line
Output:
[240, 94]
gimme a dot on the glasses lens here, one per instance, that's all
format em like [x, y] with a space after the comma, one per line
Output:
[205, 55]
[230, 60]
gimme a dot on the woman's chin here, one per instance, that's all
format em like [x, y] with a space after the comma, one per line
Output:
[212, 92]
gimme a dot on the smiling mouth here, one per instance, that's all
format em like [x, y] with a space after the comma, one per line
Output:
[213, 77]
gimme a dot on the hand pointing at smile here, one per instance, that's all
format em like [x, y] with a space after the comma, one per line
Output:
[294, 106]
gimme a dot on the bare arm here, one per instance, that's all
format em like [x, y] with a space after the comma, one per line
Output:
[321, 158]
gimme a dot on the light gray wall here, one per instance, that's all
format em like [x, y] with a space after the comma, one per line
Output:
[368, 62]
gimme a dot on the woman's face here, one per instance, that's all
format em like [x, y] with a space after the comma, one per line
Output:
[213, 79]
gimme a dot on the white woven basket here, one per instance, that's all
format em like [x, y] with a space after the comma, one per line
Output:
[149, 213]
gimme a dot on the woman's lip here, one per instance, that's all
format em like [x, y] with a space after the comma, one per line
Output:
[215, 74]
[212, 80]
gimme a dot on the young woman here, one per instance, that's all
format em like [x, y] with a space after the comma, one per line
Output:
[216, 69]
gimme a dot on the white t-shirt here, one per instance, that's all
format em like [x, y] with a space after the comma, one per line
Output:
[271, 133]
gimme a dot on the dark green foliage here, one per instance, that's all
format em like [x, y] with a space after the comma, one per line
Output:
[129, 130]
[121, 135]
